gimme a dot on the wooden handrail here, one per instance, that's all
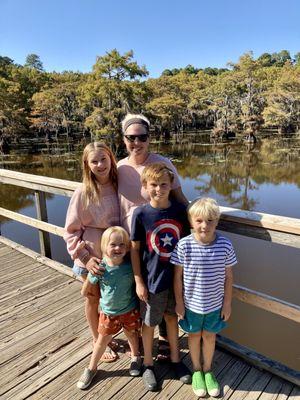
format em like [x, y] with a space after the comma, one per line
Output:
[65, 187]
[253, 224]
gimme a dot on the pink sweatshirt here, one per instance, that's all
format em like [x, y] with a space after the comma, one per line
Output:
[84, 227]
[131, 192]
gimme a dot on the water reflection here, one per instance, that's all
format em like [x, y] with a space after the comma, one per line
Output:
[238, 174]
[262, 177]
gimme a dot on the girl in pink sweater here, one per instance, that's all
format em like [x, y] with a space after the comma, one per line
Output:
[93, 207]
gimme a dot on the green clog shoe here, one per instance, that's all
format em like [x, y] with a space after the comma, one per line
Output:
[198, 384]
[212, 386]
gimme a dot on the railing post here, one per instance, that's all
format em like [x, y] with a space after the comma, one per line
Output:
[41, 211]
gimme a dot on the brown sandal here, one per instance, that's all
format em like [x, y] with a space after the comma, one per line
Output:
[110, 354]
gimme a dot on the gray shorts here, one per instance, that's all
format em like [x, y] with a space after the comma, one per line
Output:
[158, 304]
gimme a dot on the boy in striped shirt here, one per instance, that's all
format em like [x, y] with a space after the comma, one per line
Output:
[203, 289]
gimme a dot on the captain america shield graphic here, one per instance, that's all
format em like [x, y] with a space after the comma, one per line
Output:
[163, 238]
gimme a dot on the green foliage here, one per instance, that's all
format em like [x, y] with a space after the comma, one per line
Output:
[33, 61]
[283, 101]
[114, 66]
[251, 93]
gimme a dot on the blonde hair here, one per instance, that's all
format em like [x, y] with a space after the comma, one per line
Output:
[205, 208]
[134, 117]
[156, 171]
[91, 189]
[107, 234]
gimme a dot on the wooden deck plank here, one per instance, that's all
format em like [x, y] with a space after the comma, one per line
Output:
[295, 394]
[32, 355]
[277, 389]
[24, 309]
[229, 371]
[11, 258]
[8, 252]
[21, 281]
[107, 387]
[39, 288]
[37, 331]
[51, 367]
[17, 371]
[13, 332]
[47, 361]
[4, 250]
[175, 389]
[231, 376]
[46, 345]
[12, 273]
[252, 385]
[5, 294]
[64, 385]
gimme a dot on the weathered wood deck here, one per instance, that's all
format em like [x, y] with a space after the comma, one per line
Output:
[45, 344]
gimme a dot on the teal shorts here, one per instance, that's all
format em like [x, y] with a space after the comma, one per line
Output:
[194, 322]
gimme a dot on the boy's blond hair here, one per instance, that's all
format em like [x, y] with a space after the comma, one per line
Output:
[205, 208]
[155, 172]
[107, 234]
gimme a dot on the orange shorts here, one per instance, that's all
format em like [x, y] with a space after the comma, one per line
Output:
[112, 324]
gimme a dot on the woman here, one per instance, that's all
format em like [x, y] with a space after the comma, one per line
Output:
[131, 194]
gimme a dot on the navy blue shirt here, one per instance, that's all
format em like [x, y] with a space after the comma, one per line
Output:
[158, 230]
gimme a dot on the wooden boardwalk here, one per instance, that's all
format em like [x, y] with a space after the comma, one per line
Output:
[45, 345]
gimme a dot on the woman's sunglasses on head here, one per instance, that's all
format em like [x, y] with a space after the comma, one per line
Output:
[141, 138]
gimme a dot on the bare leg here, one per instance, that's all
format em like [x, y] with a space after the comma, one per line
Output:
[99, 349]
[194, 340]
[133, 340]
[91, 308]
[92, 316]
[209, 341]
[147, 336]
[172, 330]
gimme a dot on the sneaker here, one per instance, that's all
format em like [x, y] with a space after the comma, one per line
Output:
[182, 372]
[212, 385]
[198, 384]
[135, 366]
[86, 378]
[149, 379]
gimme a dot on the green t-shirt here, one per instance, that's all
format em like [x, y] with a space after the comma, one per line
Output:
[116, 288]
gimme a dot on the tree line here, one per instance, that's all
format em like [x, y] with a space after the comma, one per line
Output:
[246, 96]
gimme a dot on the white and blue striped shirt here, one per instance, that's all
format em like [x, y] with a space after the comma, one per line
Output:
[203, 271]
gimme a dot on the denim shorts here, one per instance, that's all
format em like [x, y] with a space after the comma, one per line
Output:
[194, 322]
[79, 271]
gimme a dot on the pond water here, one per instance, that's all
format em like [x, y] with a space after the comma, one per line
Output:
[264, 177]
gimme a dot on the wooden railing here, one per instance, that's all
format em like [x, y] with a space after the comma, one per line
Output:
[263, 226]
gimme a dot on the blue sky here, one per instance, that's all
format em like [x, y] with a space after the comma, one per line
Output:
[68, 35]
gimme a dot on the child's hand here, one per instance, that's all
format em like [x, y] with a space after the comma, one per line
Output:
[180, 310]
[142, 292]
[225, 312]
[93, 266]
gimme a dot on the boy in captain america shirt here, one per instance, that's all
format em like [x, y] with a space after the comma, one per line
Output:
[156, 228]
